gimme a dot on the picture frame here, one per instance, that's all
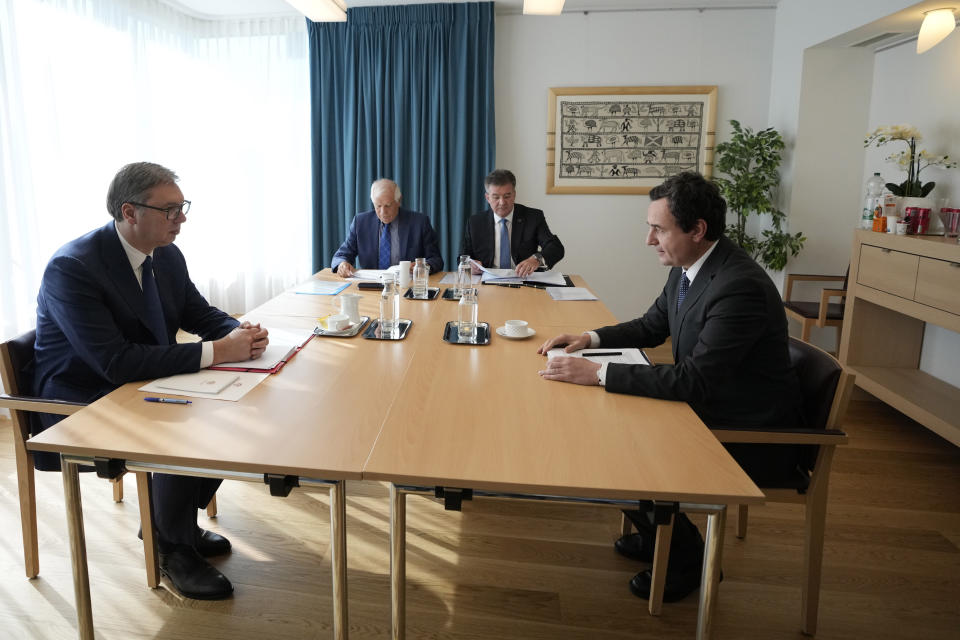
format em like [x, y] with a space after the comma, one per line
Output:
[627, 140]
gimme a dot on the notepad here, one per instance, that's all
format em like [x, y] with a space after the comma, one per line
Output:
[206, 381]
[601, 355]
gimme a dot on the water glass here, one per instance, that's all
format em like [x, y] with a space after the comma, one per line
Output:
[421, 271]
[464, 276]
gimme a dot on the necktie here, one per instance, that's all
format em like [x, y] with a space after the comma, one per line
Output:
[384, 247]
[504, 245]
[682, 293]
[151, 300]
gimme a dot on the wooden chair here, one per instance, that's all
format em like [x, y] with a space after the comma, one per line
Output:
[16, 370]
[826, 390]
[821, 314]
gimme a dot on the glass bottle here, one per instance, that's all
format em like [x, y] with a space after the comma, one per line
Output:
[464, 277]
[467, 312]
[421, 271]
[389, 307]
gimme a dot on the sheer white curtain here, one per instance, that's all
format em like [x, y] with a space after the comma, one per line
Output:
[87, 86]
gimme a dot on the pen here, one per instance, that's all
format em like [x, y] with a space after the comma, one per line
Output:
[603, 353]
[504, 284]
[535, 286]
[168, 400]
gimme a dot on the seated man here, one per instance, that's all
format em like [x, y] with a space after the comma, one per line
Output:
[731, 360]
[511, 235]
[382, 237]
[109, 308]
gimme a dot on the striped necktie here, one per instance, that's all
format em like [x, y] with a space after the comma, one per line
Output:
[384, 259]
[682, 293]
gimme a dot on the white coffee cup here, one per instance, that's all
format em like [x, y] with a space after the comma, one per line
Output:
[515, 328]
[350, 306]
[338, 322]
[404, 273]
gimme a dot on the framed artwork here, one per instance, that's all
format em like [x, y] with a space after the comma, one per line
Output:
[626, 140]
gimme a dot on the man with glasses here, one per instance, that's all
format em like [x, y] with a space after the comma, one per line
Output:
[109, 308]
[382, 237]
[509, 235]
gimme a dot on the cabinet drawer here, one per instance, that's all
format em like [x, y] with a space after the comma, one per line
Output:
[891, 271]
[938, 284]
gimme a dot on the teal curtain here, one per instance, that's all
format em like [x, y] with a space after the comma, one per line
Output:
[402, 92]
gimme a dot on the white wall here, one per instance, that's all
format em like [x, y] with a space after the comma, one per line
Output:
[605, 236]
[923, 91]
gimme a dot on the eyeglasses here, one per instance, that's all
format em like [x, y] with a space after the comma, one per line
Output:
[171, 212]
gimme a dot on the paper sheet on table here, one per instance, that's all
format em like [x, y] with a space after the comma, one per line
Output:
[321, 288]
[620, 356]
[373, 274]
[509, 276]
[283, 344]
[570, 293]
[451, 278]
[242, 383]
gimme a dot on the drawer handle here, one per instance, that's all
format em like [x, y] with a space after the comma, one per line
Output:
[885, 250]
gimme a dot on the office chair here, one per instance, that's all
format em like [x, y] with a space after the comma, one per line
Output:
[821, 314]
[826, 389]
[16, 370]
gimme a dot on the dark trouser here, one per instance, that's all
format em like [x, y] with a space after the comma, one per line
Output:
[175, 503]
[686, 543]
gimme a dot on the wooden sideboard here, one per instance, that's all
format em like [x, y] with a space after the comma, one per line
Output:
[896, 285]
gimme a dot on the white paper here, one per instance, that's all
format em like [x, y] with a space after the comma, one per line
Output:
[283, 343]
[373, 274]
[571, 293]
[509, 276]
[242, 384]
[321, 287]
[620, 356]
[203, 382]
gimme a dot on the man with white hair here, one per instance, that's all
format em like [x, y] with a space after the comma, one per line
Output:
[386, 234]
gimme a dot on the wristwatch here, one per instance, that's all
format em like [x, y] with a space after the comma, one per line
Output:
[539, 257]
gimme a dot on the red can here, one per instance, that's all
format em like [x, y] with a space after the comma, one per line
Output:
[923, 221]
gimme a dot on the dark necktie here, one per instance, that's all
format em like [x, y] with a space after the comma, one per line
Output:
[384, 247]
[682, 293]
[504, 245]
[151, 300]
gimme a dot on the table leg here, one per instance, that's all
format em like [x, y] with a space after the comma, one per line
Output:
[398, 560]
[150, 556]
[658, 572]
[712, 557]
[78, 548]
[338, 558]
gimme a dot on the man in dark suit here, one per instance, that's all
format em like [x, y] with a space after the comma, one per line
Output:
[387, 234]
[731, 363]
[529, 244]
[109, 308]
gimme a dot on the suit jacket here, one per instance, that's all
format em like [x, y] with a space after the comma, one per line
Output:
[730, 351]
[362, 246]
[530, 234]
[92, 332]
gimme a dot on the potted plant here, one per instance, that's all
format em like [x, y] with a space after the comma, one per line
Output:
[909, 159]
[751, 163]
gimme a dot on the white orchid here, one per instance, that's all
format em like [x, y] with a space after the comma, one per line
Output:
[910, 160]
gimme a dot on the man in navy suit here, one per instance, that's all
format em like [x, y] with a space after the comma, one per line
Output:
[109, 308]
[731, 361]
[509, 235]
[387, 234]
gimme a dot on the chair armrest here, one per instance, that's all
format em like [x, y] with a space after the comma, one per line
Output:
[806, 277]
[786, 435]
[825, 296]
[40, 405]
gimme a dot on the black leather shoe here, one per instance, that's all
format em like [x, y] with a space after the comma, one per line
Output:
[636, 546]
[212, 544]
[193, 576]
[679, 584]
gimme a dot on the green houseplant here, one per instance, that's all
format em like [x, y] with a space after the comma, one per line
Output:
[750, 166]
[910, 159]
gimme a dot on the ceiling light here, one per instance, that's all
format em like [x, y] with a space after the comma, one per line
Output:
[936, 26]
[320, 10]
[543, 7]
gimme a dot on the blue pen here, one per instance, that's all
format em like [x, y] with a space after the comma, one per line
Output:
[168, 400]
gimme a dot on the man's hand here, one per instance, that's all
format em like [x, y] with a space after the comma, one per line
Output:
[345, 269]
[475, 268]
[574, 343]
[575, 370]
[245, 342]
[528, 266]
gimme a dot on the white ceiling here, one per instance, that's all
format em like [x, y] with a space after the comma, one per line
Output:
[234, 8]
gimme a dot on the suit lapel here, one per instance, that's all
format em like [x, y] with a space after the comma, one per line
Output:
[700, 284]
[518, 225]
[403, 233]
[121, 274]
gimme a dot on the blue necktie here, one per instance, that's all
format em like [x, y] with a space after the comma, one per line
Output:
[682, 293]
[384, 247]
[151, 300]
[504, 245]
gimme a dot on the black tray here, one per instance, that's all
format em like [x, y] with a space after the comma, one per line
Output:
[448, 294]
[349, 332]
[451, 335]
[432, 293]
[373, 331]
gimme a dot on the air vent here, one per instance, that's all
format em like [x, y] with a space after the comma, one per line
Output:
[878, 39]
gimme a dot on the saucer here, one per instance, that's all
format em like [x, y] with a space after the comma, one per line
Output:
[502, 331]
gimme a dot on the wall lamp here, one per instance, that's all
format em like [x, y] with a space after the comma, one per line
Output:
[937, 25]
[542, 7]
[321, 10]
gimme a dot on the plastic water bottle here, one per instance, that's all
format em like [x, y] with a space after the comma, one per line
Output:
[463, 275]
[467, 315]
[389, 307]
[873, 203]
[421, 271]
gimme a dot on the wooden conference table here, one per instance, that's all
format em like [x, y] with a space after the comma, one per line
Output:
[318, 421]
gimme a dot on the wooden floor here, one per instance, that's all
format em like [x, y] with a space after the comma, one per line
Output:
[512, 570]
